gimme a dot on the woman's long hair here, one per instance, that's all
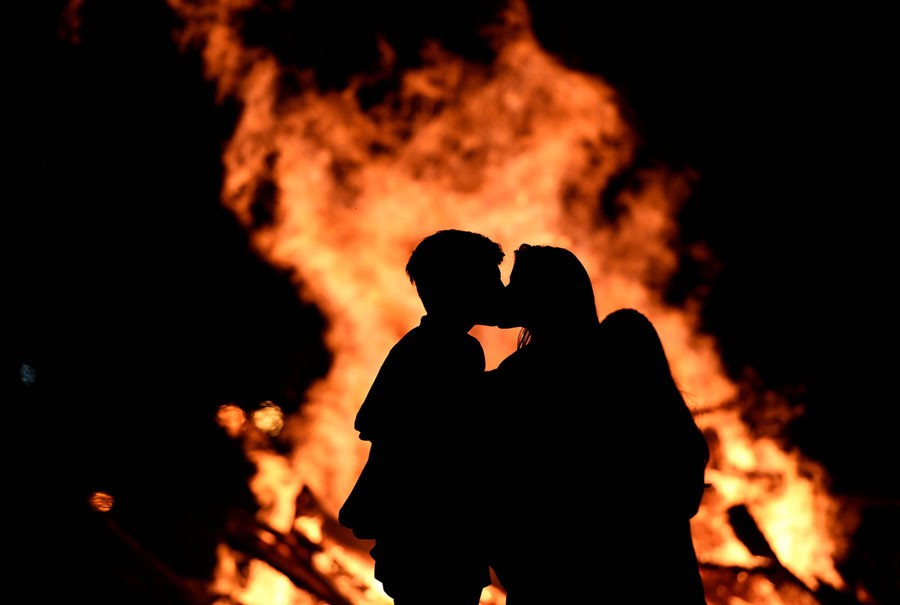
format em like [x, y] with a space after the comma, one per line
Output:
[550, 291]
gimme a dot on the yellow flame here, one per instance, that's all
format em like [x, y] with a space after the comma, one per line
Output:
[269, 418]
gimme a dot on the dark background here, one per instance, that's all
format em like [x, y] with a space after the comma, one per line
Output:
[134, 296]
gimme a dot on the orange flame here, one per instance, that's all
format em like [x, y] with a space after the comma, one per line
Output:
[521, 152]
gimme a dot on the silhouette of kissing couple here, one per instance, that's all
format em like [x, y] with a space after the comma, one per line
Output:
[572, 470]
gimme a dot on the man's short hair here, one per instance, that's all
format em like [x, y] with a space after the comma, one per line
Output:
[449, 253]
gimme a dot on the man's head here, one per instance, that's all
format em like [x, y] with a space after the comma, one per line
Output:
[457, 276]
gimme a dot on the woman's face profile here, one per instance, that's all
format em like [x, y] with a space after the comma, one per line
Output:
[513, 302]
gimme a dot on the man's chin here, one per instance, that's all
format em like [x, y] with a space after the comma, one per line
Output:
[503, 323]
[506, 324]
[492, 323]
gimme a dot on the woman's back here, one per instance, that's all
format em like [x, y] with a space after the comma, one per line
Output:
[665, 460]
[595, 457]
[547, 498]
[598, 467]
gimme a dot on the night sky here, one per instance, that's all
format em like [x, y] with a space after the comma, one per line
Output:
[134, 296]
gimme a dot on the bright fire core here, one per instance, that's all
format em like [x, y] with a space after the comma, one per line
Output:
[521, 151]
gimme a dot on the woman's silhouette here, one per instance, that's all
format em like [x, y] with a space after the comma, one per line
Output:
[667, 463]
[581, 477]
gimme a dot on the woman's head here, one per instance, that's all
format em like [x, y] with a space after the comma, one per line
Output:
[549, 292]
[635, 358]
[633, 341]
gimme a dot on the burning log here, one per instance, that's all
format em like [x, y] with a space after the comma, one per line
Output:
[749, 533]
[291, 554]
[307, 504]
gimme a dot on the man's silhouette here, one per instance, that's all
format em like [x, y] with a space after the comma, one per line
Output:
[416, 496]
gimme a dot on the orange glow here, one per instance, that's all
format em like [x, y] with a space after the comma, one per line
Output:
[232, 419]
[101, 501]
[522, 153]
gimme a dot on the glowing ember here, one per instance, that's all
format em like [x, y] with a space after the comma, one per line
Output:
[269, 418]
[232, 419]
[522, 153]
[101, 501]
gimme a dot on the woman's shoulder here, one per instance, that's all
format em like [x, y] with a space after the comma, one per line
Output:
[517, 360]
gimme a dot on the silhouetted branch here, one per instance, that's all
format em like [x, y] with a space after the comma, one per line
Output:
[167, 585]
[749, 533]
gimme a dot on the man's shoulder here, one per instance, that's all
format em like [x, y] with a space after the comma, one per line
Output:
[424, 336]
[423, 347]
